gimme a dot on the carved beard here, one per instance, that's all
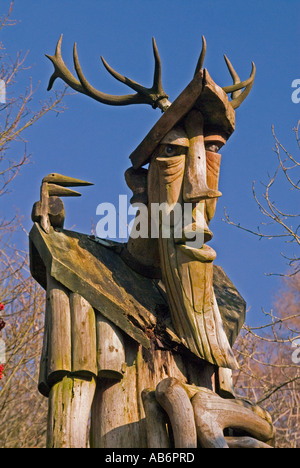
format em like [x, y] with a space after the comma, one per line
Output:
[194, 310]
[188, 274]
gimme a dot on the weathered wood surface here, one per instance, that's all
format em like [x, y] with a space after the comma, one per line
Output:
[175, 401]
[110, 349]
[198, 417]
[55, 211]
[59, 330]
[43, 385]
[231, 305]
[215, 107]
[224, 383]
[156, 421]
[246, 442]
[135, 304]
[172, 412]
[70, 403]
[213, 162]
[119, 410]
[213, 414]
[196, 186]
[69, 344]
[100, 276]
[83, 335]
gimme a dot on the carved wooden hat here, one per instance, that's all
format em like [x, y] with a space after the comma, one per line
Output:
[201, 93]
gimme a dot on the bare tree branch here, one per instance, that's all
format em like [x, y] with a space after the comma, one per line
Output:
[278, 219]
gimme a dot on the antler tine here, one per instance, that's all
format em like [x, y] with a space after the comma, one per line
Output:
[61, 71]
[157, 83]
[247, 84]
[242, 84]
[123, 79]
[133, 84]
[155, 95]
[98, 95]
[234, 76]
[202, 56]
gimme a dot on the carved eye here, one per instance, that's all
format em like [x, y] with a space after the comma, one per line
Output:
[213, 147]
[170, 150]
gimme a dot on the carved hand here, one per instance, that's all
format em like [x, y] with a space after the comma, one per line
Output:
[199, 415]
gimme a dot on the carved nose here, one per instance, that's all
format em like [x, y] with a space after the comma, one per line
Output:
[195, 180]
[195, 186]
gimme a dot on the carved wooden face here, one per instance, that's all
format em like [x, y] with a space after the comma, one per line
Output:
[184, 170]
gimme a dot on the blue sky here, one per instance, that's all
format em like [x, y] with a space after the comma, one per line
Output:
[93, 141]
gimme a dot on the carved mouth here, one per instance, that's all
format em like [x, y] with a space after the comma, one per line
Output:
[196, 236]
[203, 254]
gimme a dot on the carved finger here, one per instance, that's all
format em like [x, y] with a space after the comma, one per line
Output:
[213, 414]
[175, 401]
[245, 442]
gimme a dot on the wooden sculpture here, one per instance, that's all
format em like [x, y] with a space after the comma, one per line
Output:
[140, 335]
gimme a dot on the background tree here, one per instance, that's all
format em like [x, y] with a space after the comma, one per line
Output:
[269, 355]
[22, 410]
[279, 220]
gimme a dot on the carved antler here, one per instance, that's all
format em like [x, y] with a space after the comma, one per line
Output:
[202, 56]
[236, 89]
[155, 96]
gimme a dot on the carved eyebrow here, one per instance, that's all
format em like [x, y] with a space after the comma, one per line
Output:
[179, 141]
[214, 139]
[215, 142]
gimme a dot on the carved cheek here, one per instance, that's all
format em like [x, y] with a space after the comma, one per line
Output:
[213, 161]
[170, 175]
[153, 183]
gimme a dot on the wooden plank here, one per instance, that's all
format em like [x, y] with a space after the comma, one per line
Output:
[59, 330]
[83, 332]
[111, 351]
[70, 402]
[216, 109]
[43, 386]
